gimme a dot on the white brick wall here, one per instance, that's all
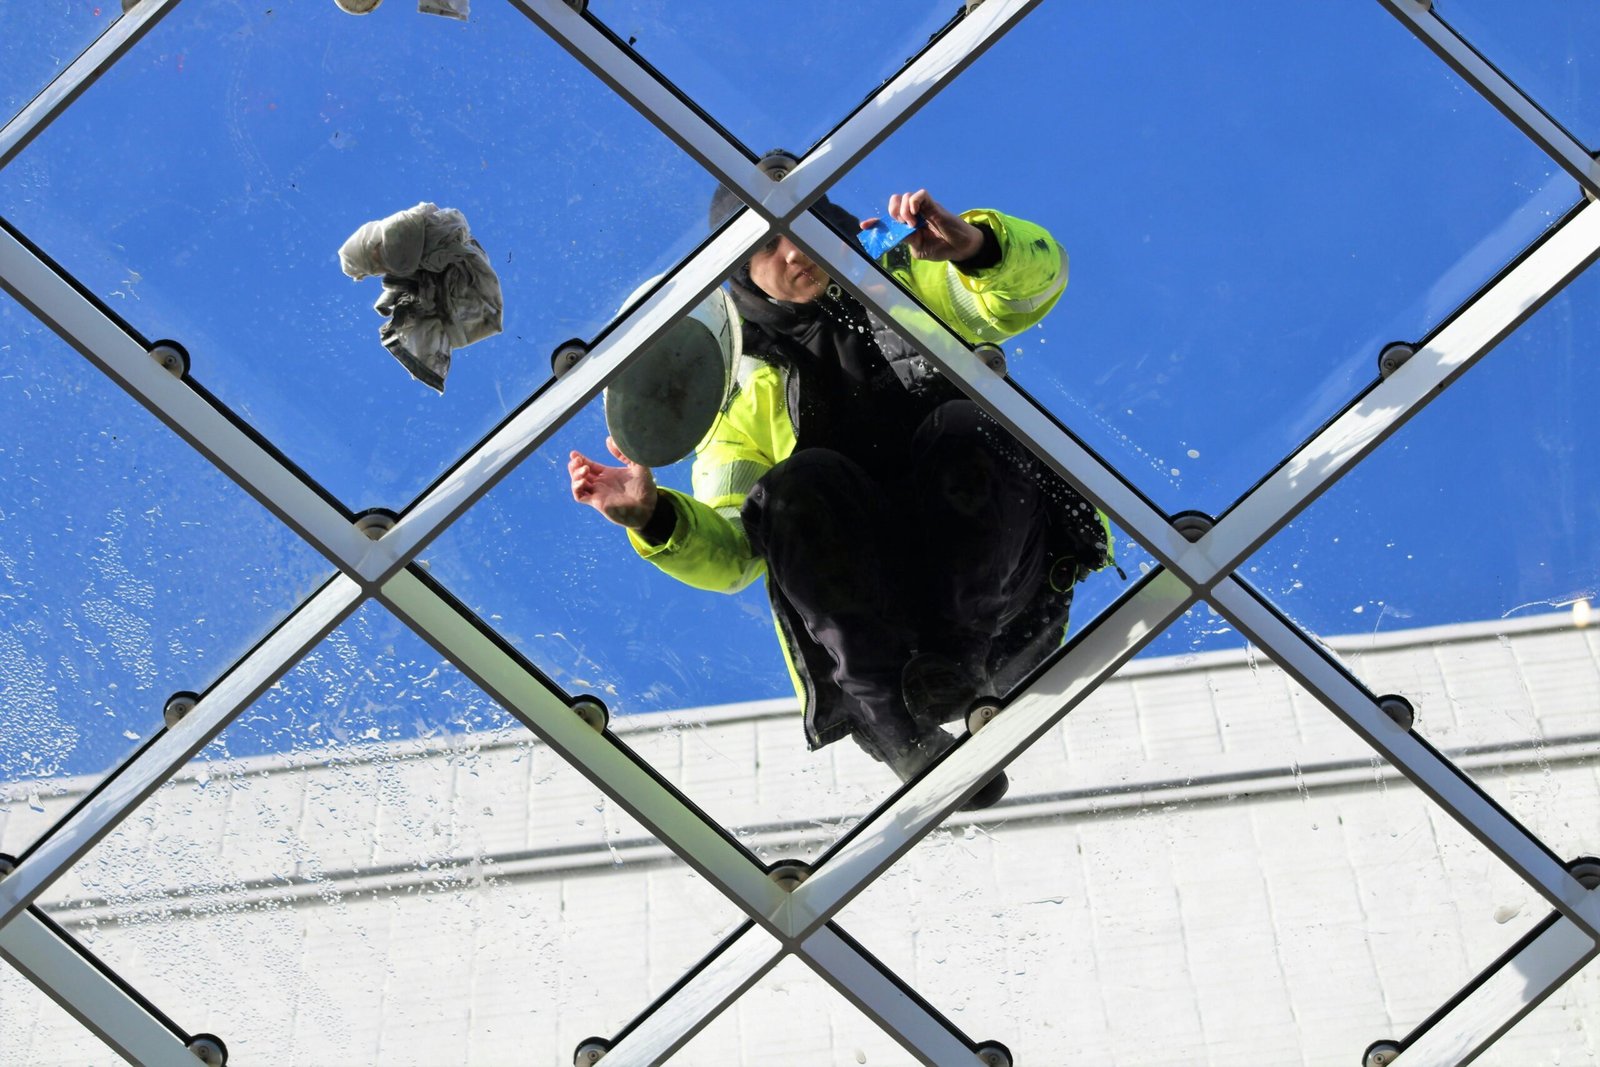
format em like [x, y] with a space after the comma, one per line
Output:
[1200, 866]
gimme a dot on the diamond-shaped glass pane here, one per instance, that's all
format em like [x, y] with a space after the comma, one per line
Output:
[132, 570]
[1549, 48]
[820, 1026]
[1237, 189]
[574, 198]
[50, 36]
[397, 864]
[1203, 836]
[36, 1030]
[1402, 555]
[569, 591]
[775, 76]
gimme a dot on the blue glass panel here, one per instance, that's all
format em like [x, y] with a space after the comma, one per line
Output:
[1255, 200]
[1549, 48]
[132, 569]
[253, 143]
[1476, 530]
[775, 75]
[38, 41]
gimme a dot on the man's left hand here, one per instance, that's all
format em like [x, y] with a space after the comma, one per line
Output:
[943, 235]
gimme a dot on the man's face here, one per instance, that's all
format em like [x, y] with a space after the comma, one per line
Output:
[785, 273]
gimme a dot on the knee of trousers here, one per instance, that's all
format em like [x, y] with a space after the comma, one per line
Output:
[814, 479]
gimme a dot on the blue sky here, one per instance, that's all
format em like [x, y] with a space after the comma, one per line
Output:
[1256, 198]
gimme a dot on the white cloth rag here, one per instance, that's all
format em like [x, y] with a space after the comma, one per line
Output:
[439, 291]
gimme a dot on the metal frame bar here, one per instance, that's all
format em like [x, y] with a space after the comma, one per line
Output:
[81, 73]
[67, 975]
[610, 766]
[524, 433]
[892, 831]
[1498, 998]
[1023, 418]
[733, 967]
[115, 799]
[872, 988]
[1320, 674]
[44, 289]
[1508, 99]
[1313, 468]
[798, 920]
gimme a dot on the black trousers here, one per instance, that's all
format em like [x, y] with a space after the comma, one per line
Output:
[943, 561]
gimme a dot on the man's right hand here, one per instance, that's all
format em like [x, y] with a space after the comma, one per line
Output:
[626, 495]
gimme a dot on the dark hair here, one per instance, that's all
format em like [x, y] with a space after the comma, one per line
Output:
[725, 203]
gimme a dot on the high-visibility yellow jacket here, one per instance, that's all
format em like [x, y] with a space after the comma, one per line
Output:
[756, 430]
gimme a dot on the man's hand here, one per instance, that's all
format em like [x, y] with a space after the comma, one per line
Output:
[626, 495]
[944, 235]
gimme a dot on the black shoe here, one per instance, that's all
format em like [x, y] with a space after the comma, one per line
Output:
[989, 793]
[910, 762]
[937, 689]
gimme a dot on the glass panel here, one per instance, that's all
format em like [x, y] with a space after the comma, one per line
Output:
[37, 1031]
[775, 75]
[1238, 191]
[564, 586]
[792, 1016]
[131, 568]
[411, 876]
[39, 40]
[1545, 46]
[310, 124]
[1564, 1029]
[1200, 856]
[1472, 539]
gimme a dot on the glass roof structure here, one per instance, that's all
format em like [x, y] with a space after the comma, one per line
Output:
[1323, 362]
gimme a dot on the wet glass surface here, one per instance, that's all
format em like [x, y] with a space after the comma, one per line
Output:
[38, 41]
[311, 123]
[1237, 195]
[775, 76]
[1549, 48]
[568, 590]
[820, 1026]
[35, 1030]
[132, 569]
[1392, 552]
[1201, 835]
[450, 896]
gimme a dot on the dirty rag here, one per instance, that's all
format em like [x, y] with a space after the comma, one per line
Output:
[439, 291]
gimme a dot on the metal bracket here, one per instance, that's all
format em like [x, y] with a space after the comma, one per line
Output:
[777, 164]
[1586, 869]
[982, 713]
[993, 356]
[1394, 356]
[789, 874]
[172, 356]
[1380, 1054]
[994, 1054]
[1192, 525]
[567, 355]
[590, 1051]
[592, 712]
[375, 522]
[1399, 709]
[209, 1050]
[177, 706]
[8, 863]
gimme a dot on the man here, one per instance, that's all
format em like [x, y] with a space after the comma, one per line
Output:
[915, 553]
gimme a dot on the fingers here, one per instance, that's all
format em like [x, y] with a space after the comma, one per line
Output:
[615, 451]
[912, 208]
[867, 224]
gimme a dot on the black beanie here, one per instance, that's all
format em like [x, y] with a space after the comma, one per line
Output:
[725, 203]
